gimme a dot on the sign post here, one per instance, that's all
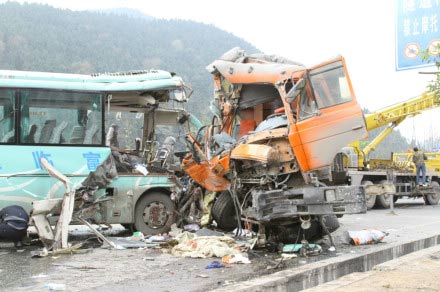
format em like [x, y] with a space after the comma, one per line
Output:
[417, 29]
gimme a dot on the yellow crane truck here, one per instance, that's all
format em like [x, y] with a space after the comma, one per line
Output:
[396, 176]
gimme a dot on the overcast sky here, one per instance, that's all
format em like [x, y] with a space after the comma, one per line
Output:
[308, 31]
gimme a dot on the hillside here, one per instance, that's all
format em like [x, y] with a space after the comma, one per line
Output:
[42, 38]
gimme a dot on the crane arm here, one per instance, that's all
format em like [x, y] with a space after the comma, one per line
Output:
[401, 111]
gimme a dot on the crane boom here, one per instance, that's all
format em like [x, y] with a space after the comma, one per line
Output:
[401, 111]
[391, 117]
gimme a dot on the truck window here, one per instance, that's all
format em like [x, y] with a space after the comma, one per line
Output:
[330, 85]
[7, 116]
[307, 105]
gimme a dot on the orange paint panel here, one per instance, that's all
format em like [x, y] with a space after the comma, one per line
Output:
[204, 175]
[246, 73]
[295, 142]
[256, 152]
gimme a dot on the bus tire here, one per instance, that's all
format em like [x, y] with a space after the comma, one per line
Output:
[154, 213]
[433, 199]
[383, 201]
[370, 200]
[223, 212]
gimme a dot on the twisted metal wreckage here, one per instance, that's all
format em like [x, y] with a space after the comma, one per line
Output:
[266, 158]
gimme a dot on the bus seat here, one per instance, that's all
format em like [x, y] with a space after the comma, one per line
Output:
[245, 127]
[30, 138]
[78, 135]
[90, 132]
[92, 127]
[47, 130]
[8, 137]
[56, 135]
[112, 136]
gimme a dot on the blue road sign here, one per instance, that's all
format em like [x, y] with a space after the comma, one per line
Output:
[417, 29]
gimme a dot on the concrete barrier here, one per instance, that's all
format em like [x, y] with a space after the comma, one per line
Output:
[313, 274]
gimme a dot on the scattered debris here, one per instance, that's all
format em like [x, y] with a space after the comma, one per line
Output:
[239, 258]
[215, 265]
[304, 248]
[191, 245]
[202, 276]
[39, 276]
[55, 286]
[288, 256]
[191, 227]
[368, 236]
[70, 250]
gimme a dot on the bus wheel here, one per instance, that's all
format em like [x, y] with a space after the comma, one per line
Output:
[223, 212]
[369, 199]
[154, 213]
[433, 199]
[383, 201]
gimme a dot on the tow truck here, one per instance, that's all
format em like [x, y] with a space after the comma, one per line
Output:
[395, 177]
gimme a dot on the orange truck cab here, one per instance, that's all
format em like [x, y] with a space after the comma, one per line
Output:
[276, 129]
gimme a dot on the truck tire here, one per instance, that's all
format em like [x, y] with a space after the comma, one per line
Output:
[370, 200]
[383, 201]
[154, 213]
[223, 212]
[432, 199]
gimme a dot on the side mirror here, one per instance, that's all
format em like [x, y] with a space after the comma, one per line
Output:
[295, 90]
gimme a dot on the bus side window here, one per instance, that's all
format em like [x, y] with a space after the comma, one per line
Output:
[47, 130]
[7, 113]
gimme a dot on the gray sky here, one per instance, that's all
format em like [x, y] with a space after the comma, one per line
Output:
[310, 32]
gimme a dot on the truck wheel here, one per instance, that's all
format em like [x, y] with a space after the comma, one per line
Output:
[433, 199]
[369, 199]
[154, 213]
[383, 201]
[223, 212]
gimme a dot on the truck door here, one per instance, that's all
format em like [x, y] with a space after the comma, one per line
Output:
[328, 116]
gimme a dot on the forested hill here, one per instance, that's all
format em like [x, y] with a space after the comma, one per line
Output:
[41, 38]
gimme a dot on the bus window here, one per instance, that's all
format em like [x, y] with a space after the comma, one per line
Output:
[7, 116]
[126, 126]
[58, 117]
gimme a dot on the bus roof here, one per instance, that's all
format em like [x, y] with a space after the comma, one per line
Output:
[143, 80]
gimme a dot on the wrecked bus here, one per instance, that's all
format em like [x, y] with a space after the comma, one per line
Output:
[67, 120]
[268, 153]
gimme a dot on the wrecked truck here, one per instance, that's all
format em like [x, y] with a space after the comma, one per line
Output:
[82, 125]
[277, 126]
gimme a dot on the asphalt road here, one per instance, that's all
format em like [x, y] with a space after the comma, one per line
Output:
[152, 270]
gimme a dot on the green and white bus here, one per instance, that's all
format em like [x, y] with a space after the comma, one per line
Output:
[65, 118]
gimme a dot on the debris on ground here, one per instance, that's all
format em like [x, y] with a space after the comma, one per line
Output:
[304, 248]
[215, 265]
[55, 286]
[367, 236]
[191, 245]
[239, 258]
